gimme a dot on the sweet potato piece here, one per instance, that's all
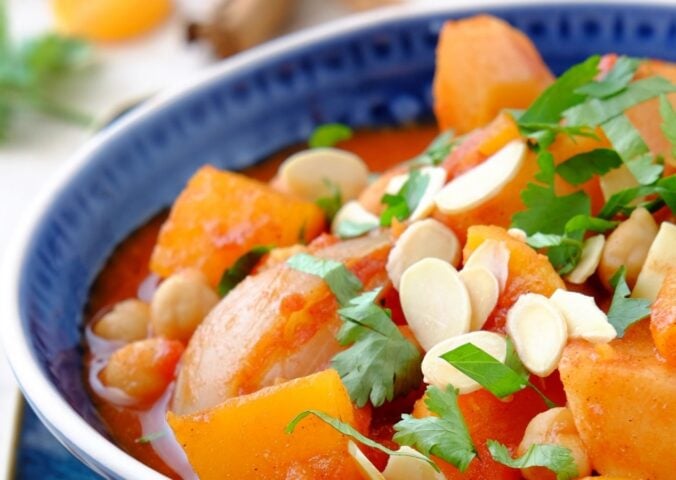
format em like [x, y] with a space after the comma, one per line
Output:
[529, 271]
[278, 324]
[663, 318]
[484, 66]
[623, 400]
[221, 215]
[244, 437]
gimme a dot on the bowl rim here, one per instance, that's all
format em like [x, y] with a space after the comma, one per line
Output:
[85, 442]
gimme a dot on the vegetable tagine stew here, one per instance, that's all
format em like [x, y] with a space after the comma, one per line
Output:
[497, 302]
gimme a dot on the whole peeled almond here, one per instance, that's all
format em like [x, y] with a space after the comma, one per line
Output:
[311, 174]
[492, 255]
[661, 257]
[484, 291]
[354, 213]
[436, 180]
[592, 250]
[482, 182]
[365, 466]
[435, 301]
[538, 331]
[583, 317]
[440, 373]
[424, 239]
[410, 467]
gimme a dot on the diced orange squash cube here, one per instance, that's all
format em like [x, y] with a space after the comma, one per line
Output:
[244, 437]
[529, 271]
[484, 66]
[663, 318]
[221, 215]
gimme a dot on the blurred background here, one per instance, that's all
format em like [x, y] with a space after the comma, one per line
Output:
[68, 68]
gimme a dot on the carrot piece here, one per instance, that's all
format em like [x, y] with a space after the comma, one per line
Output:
[663, 318]
[483, 66]
[529, 271]
[244, 437]
[221, 215]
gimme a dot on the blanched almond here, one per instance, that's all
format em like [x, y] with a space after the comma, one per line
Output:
[353, 212]
[424, 239]
[661, 257]
[492, 255]
[484, 181]
[589, 261]
[437, 179]
[310, 173]
[410, 468]
[518, 234]
[538, 331]
[440, 373]
[366, 467]
[484, 291]
[435, 301]
[584, 319]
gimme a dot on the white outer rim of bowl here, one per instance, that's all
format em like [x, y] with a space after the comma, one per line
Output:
[44, 397]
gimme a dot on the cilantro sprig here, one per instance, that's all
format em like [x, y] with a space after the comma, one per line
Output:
[624, 311]
[402, 204]
[329, 134]
[241, 268]
[445, 436]
[380, 362]
[437, 151]
[556, 458]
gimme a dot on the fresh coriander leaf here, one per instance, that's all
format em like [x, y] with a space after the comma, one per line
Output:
[544, 133]
[668, 122]
[349, 431]
[380, 362]
[556, 458]
[644, 169]
[150, 437]
[401, 205]
[561, 95]
[332, 203]
[329, 134]
[621, 202]
[487, 371]
[343, 283]
[666, 189]
[595, 111]
[582, 167]
[588, 223]
[547, 171]
[241, 268]
[545, 240]
[513, 361]
[445, 436]
[350, 229]
[548, 213]
[615, 81]
[624, 311]
[437, 151]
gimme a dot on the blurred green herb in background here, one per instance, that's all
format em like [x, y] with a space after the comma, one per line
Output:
[29, 72]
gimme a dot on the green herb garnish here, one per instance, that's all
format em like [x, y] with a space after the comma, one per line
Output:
[329, 134]
[332, 202]
[445, 436]
[350, 229]
[342, 282]
[405, 201]
[556, 458]
[668, 122]
[625, 311]
[241, 269]
[582, 167]
[615, 81]
[437, 151]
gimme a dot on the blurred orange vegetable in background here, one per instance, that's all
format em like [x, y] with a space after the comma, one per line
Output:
[109, 20]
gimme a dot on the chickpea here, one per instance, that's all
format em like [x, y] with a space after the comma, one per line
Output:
[143, 369]
[127, 321]
[628, 245]
[180, 304]
[555, 426]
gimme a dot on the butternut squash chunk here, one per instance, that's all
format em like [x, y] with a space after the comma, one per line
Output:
[244, 436]
[663, 318]
[221, 215]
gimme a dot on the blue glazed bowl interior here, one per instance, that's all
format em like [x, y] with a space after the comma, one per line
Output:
[377, 75]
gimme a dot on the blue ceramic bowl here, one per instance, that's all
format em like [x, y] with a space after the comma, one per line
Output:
[369, 70]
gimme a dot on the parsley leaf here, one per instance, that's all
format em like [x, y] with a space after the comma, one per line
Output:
[445, 436]
[349, 431]
[329, 134]
[561, 95]
[405, 201]
[343, 283]
[437, 151]
[615, 81]
[547, 212]
[241, 268]
[668, 122]
[624, 311]
[556, 458]
[380, 363]
[582, 167]
[350, 229]
[623, 201]
[332, 203]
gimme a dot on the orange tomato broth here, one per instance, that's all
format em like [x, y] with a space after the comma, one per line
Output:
[127, 269]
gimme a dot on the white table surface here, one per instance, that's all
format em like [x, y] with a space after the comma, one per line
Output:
[38, 147]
